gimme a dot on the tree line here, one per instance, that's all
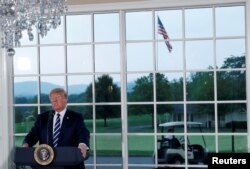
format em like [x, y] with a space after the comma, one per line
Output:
[200, 86]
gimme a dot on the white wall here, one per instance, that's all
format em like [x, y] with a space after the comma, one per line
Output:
[6, 113]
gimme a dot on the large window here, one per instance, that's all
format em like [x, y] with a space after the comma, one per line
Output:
[189, 83]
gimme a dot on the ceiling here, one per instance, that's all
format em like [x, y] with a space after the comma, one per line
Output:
[78, 2]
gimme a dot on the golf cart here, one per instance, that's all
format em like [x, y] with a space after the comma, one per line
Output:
[171, 150]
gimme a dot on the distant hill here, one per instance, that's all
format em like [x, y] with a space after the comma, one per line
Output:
[29, 88]
[76, 89]
[25, 88]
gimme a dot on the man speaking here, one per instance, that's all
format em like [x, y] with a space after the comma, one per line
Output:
[60, 127]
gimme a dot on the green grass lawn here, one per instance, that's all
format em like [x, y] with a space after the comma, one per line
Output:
[142, 144]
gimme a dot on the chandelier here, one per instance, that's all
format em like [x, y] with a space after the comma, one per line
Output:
[17, 16]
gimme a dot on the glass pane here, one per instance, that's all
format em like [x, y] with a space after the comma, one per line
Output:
[135, 31]
[199, 54]
[170, 61]
[48, 83]
[172, 22]
[106, 27]
[203, 114]
[79, 59]
[54, 35]
[87, 113]
[25, 90]
[230, 53]
[78, 28]
[223, 21]
[169, 87]
[232, 118]
[140, 87]
[195, 24]
[108, 119]
[138, 52]
[108, 146]
[25, 116]
[51, 63]
[140, 149]
[140, 118]
[18, 141]
[169, 113]
[107, 58]
[232, 144]
[79, 89]
[231, 85]
[107, 88]
[25, 61]
[200, 86]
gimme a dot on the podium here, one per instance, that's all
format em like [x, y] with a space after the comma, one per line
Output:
[63, 157]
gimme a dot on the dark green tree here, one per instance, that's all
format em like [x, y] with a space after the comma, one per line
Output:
[200, 86]
[21, 100]
[232, 85]
[143, 91]
[234, 62]
[44, 98]
[163, 90]
[176, 87]
[105, 91]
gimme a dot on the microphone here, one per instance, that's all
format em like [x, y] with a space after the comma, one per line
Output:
[50, 118]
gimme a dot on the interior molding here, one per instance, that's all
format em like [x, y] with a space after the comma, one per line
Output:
[107, 5]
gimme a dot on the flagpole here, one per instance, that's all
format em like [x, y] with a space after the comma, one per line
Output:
[156, 41]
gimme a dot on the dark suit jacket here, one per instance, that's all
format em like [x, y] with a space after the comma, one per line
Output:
[73, 130]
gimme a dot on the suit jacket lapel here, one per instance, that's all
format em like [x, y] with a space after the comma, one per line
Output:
[65, 123]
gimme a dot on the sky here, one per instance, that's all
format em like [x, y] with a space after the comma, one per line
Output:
[198, 42]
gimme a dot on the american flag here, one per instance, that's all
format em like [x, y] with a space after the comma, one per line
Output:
[162, 31]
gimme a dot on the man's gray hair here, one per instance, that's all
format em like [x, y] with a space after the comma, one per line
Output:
[58, 91]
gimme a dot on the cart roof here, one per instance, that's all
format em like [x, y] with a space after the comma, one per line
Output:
[178, 123]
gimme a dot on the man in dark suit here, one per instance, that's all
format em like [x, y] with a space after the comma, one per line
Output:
[70, 130]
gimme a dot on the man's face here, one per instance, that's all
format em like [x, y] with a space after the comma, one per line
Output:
[58, 101]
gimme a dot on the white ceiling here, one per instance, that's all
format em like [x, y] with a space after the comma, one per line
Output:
[78, 2]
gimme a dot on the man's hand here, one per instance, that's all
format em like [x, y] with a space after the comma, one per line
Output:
[25, 145]
[83, 147]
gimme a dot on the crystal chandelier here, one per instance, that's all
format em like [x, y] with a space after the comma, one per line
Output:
[17, 16]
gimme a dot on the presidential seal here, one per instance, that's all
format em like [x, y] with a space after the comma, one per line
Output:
[44, 154]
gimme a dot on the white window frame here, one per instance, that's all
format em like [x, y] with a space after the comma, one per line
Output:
[6, 89]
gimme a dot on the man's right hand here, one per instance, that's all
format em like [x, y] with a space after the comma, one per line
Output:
[26, 145]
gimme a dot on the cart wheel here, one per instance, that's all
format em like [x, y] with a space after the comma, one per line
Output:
[178, 160]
